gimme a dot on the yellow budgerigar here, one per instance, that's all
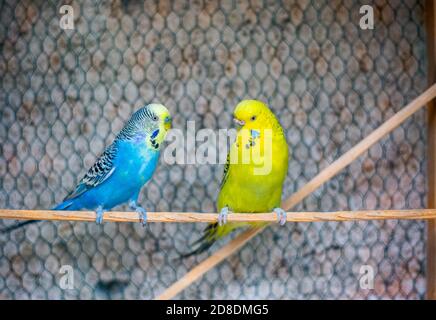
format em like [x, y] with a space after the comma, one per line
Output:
[254, 173]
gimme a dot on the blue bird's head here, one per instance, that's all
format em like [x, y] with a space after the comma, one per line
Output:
[151, 123]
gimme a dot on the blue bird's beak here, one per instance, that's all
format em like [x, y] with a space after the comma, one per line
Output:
[167, 123]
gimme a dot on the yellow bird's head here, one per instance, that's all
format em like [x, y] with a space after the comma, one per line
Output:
[253, 114]
[260, 142]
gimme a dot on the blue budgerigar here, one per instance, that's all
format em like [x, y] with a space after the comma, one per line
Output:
[124, 167]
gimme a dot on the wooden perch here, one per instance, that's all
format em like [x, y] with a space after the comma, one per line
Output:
[115, 216]
[325, 175]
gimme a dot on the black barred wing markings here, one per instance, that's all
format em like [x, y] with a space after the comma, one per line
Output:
[102, 169]
[226, 171]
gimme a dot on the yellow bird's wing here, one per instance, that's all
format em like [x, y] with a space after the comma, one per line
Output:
[226, 171]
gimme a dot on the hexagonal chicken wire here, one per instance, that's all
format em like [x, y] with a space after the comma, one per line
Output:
[65, 93]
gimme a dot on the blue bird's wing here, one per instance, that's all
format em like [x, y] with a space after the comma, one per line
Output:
[102, 169]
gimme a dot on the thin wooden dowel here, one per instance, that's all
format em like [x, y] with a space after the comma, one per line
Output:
[195, 273]
[324, 176]
[355, 152]
[186, 217]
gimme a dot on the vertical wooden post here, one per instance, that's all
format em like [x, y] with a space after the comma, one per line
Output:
[430, 14]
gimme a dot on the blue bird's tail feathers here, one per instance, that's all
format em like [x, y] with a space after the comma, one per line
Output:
[61, 206]
[17, 226]
[64, 205]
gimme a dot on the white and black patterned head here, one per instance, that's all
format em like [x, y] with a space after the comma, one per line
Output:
[150, 123]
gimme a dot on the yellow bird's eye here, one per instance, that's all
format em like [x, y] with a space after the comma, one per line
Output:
[253, 118]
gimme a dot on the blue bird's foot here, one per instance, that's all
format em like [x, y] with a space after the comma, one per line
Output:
[222, 217]
[141, 211]
[281, 215]
[99, 212]
[142, 215]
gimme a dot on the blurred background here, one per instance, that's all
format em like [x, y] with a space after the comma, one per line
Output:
[64, 94]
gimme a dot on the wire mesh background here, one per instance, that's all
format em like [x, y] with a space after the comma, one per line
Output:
[64, 94]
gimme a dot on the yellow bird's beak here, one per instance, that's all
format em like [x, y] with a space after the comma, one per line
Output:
[239, 123]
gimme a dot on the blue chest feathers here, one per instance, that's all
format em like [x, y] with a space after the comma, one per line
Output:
[136, 163]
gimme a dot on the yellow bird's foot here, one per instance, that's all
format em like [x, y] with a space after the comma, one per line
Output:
[281, 216]
[222, 217]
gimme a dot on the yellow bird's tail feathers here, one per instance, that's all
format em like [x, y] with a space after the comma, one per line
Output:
[211, 233]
